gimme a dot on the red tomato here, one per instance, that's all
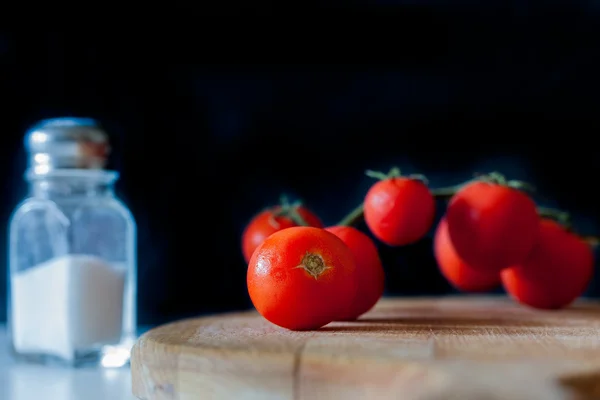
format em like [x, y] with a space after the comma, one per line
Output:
[492, 226]
[369, 271]
[266, 223]
[302, 278]
[557, 271]
[399, 211]
[455, 270]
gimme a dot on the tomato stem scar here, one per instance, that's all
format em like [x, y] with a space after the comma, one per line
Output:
[313, 264]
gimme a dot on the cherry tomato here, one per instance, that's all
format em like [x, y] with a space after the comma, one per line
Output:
[557, 271]
[302, 278]
[268, 222]
[492, 226]
[455, 270]
[369, 271]
[399, 210]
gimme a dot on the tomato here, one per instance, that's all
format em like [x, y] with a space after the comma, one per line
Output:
[557, 271]
[399, 210]
[455, 270]
[492, 226]
[302, 278]
[268, 222]
[369, 271]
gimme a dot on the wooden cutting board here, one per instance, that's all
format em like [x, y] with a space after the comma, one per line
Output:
[444, 348]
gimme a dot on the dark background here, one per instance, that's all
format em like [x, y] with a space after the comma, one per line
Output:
[209, 129]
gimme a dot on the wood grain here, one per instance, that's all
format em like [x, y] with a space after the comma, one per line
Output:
[427, 348]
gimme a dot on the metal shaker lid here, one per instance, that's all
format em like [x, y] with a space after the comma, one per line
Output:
[66, 143]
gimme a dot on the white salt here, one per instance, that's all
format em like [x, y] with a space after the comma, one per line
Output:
[67, 304]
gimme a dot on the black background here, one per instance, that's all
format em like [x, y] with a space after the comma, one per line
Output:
[209, 127]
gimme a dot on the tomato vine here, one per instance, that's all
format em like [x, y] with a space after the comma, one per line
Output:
[562, 217]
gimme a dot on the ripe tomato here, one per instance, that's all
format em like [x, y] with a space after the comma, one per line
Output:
[399, 210]
[455, 270]
[492, 226]
[302, 278]
[369, 271]
[268, 222]
[557, 271]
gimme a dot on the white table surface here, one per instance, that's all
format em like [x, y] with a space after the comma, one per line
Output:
[20, 381]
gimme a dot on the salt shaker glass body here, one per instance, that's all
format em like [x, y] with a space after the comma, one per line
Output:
[72, 261]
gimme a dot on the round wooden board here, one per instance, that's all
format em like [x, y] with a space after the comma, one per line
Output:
[443, 348]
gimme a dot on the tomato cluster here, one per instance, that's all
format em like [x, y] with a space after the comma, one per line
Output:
[302, 275]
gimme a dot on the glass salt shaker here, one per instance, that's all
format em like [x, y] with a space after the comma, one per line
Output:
[72, 252]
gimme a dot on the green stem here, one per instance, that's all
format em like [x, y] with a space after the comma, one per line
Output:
[354, 217]
[394, 172]
[500, 179]
[492, 177]
[447, 191]
[290, 210]
[593, 241]
[295, 216]
[564, 219]
[559, 216]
